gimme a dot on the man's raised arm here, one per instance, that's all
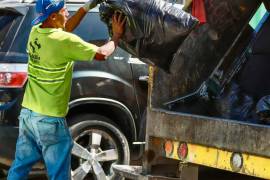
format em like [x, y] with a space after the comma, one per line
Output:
[75, 20]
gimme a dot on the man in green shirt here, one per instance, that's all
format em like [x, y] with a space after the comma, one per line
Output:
[43, 132]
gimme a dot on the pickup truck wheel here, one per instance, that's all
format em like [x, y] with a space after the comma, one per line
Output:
[98, 144]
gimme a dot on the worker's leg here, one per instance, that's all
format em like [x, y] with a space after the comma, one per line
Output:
[56, 147]
[27, 151]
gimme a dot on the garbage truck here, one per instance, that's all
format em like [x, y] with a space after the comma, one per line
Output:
[212, 109]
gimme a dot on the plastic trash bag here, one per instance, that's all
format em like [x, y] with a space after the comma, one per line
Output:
[154, 30]
[235, 104]
[263, 109]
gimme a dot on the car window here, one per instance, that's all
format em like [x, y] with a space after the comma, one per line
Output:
[92, 29]
[19, 47]
[9, 23]
[5, 23]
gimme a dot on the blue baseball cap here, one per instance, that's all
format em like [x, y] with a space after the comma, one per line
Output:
[45, 8]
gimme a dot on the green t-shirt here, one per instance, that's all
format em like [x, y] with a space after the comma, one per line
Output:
[51, 55]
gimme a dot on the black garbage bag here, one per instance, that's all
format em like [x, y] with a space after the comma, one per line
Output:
[235, 104]
[154, 30]
[263, 109]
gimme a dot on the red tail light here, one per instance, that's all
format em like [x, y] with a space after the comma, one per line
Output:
[13, 75]
[182, 151]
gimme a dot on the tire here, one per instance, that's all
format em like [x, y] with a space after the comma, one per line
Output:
[83, 128]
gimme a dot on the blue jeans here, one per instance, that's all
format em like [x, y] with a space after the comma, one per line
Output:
[42, 138]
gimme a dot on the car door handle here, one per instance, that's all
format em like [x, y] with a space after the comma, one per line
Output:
[119, 58]
[144, 78]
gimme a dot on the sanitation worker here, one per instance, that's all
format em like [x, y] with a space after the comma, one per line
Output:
[52, 49]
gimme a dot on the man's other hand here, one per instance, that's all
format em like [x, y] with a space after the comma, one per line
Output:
[91, 4]
[118, 22]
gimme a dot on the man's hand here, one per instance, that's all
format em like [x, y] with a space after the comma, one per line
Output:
[118, 22]
[91, 4]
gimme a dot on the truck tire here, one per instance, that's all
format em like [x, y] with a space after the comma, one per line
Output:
[83, 129]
